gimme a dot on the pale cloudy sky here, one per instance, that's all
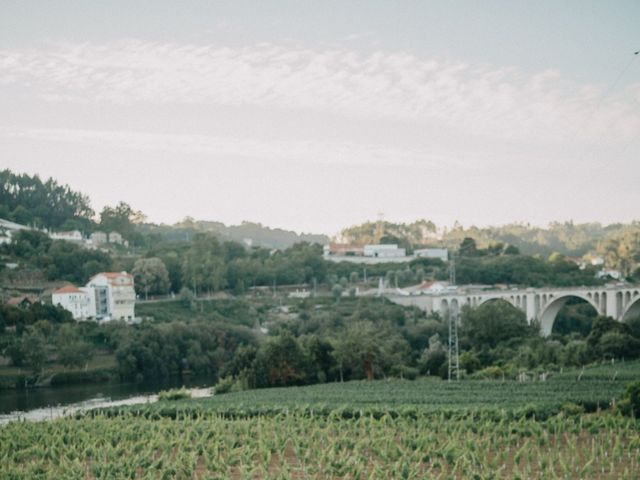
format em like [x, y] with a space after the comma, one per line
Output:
[315, 115]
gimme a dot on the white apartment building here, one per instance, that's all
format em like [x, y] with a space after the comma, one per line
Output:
[107, 296]
[79, 301]
[115, 295]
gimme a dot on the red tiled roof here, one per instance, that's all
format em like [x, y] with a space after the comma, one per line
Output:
[113, 274]
[68, 289]
[18, 300]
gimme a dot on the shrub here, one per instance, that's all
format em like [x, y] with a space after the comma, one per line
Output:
[174, 394]
[630, 403]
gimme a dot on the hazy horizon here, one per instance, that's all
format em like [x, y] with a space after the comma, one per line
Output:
[315, 116]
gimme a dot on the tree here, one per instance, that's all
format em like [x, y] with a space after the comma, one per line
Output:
[575, 353]
[468, 248]
[151, 276]
[280, 362]
[203, 267]
[622, 250]
[619, 345]
[46, 204]
[492, 323]
[34, 347]
[433, 357]
[122, 218]
[72, 350]
[364, 349]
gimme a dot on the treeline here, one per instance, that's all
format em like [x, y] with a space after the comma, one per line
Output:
[375, 339]
[617, 242]
[318, 340]
[28, 200]
[38, 335]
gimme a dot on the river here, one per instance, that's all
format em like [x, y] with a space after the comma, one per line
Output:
[51, 402]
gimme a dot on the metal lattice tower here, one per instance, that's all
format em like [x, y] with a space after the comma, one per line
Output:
[454, 357]
[452, 270]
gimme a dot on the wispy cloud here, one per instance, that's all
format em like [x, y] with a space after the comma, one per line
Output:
[480, 100]
[315, 152]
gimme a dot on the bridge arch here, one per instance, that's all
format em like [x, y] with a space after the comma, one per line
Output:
[499, 298]
[551, 309]
[632, 308]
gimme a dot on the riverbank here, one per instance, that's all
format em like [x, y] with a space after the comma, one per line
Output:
[52, 412]
[101, 368]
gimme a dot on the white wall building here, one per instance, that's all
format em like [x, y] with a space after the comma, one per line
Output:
[8, 229]
[114, 294]
[385, 251]
[115, 237]
[71, 236]
[79, 301]
[107, 296]
[440, 253]
[98, 238]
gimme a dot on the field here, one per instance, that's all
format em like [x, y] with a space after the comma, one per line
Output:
[383, 429]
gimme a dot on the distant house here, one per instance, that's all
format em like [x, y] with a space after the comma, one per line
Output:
[98, 238]
[304, 293]
[608, 272]
[23, 301]
[79, 301]
[8, 229]
[70, 236]
[5, 237]
[439, 253]
[428, 287]
[343, 249]
[384, 251]
[115, 237]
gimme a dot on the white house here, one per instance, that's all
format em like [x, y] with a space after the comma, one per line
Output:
[5, 236]
[439, 253]
[7, 230]
[71, 236]
[79, 301]
[115, 296]
[98, 238]
[115, 237]
[385, 251]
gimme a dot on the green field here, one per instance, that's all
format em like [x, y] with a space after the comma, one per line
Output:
[597, 389]
[357, 430]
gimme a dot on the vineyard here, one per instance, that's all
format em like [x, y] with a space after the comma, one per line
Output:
[298, 446]
[592, 390]
[358, 430]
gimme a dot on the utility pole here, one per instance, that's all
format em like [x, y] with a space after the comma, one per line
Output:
[454, 358]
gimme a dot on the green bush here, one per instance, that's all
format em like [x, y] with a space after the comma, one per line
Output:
[174, 394]
[630, 403]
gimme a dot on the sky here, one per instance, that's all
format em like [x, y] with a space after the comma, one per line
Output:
[317, 115]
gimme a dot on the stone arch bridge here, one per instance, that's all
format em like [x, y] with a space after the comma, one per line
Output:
[541, 304]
